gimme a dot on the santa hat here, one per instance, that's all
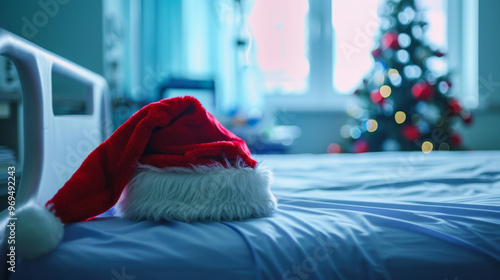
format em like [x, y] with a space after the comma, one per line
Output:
[174, 160]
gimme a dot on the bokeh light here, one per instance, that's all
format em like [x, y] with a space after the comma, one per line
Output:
[403, 56]
[379, 66]
[355, 111]
[355, 132]
[388, 108]
[379, 78]
[443, 87]
[333, 148]
[444, 147]
[385, 91]
[394, 77]
[423, 127]
[427, 147]
[392, 71]
[404, 40]
[391, 145]
[422, 107]
[416, 119]
[345, 131]
[417, 31]
[437, 64]
[371, 125]
[439, 121]
[412, 71]
[400, 117]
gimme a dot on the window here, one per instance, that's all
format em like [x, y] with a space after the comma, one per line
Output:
[320, 49]
[436, 33]
[355, 24]
[280, 32]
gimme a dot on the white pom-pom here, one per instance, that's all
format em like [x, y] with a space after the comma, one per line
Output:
[38, 231]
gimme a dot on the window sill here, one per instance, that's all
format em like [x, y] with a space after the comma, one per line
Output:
[302, 103]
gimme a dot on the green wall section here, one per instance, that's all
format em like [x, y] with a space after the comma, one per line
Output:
[69, 28]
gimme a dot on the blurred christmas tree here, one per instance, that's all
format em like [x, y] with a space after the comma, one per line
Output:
[405, 105]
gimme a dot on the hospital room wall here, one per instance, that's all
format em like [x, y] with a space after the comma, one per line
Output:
[318, 129]
[71, 29]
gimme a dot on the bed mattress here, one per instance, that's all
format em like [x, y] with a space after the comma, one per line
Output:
[404, 215]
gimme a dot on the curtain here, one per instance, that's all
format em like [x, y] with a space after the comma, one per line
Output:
[192, 39]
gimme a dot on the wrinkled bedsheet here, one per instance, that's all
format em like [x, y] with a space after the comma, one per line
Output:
[404, 215]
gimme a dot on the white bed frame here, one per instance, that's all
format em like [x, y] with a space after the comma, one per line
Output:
[54, 146]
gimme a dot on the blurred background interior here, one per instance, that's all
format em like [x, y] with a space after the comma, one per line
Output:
[288, 76]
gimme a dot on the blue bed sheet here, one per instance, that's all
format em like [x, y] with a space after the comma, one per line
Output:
[368, 216]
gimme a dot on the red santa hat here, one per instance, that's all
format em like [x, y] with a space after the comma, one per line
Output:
[171, 160]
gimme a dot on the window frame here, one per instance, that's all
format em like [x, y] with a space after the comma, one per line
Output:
[463, 57]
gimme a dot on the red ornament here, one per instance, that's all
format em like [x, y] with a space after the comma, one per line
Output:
[467, 117]
[377, 53]
[390, 40]
[360, 146]
[439, 54]
[376, 97]
[334, 148]
[454, 107]
[410, 132]
[422, 91]
[456, 139]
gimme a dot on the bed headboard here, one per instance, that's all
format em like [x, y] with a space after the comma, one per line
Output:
[54, 146]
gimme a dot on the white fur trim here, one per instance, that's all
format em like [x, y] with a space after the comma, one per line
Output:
[38, 231]
[201, 193]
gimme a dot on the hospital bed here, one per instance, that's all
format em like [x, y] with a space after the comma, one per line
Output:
[398, 215]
